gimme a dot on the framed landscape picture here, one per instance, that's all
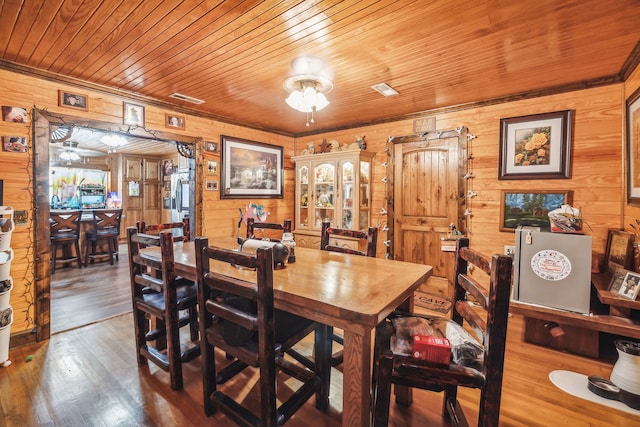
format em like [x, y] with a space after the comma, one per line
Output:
[536, 146]
[250, 169]
[530, 208]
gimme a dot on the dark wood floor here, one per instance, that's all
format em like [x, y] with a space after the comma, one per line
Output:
[88, 376]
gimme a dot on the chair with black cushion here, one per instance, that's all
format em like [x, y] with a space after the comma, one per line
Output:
[256, 230]
[64, 230]
[368, 239]
[476, 308]
[105, 228]
[237, 316]
[162, 304]
[180, 230]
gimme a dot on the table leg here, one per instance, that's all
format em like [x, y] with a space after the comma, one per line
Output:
[356, 371]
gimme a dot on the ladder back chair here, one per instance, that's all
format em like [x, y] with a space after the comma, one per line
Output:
[161, 296]
[64, 228]
[481, 309]
[105, 227]
[237, 316]
[181, 231]
[252, 226]
[370, 238]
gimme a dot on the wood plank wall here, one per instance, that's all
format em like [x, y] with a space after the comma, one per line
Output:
[596, 169]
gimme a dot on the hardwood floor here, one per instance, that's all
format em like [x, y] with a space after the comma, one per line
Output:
[88, 376]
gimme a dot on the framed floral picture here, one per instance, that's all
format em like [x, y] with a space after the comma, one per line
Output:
[536, 146]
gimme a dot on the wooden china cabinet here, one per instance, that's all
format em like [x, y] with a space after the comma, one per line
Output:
[334, 186]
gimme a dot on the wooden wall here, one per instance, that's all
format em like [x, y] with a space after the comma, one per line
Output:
[597, 173]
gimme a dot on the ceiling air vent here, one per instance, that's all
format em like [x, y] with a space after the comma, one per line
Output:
[384, 89]
[186, 98]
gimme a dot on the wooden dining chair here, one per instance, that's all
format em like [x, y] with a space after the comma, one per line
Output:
[237, 315]
[367, 238]
[253, 226]
[64, 229]
[180, 229]
[161, 297]
[105, 228]
[483, 310]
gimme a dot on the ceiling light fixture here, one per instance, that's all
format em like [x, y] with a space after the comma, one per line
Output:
[307, 87]
[69, 156]
[113, 141]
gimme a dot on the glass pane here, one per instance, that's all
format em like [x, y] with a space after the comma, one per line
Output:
[365, 194]
[303, 179]
[324, 193]
[347, 191]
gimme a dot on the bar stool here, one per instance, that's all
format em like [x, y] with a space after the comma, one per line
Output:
[105, 228]
[65, 231]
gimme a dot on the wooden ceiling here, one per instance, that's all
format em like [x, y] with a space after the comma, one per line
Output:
[235, 55]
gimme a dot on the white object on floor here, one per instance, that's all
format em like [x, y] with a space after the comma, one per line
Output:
[577, 385]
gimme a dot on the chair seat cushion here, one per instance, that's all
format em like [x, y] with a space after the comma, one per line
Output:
[286, 324]
[465, 349]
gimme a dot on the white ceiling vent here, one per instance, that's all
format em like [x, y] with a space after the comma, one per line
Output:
[186, 98]
[384, 89]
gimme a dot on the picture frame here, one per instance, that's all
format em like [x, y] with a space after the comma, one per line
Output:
[616, 279]
[536, 146]
[618, 251]
[211, 185]
[14, 144]
[167, 186]
[212, 167]
[174, 121]
[633, 148]
[132, 114]
[14, 114]
[211, 147]
[530, 207]
[167, 167]
[73, 100]
[630, 286]
[250, 169]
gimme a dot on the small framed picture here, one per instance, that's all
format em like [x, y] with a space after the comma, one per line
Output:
[617, 279]
[73, 100]
[212, 168]
[14, 114]
[167, 167]
[618, 251]
[133, 114]
[212, 147]
[174, 121]
[212, 185]
[630, 286]
[14, 144]
[167, 186]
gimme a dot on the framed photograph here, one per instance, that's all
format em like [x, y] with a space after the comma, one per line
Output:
[73, 100]
[617, 279]
[536, 146]
[531, 207]
[14, 144]
[14, 114]
[212, 168]
[630, 286]
[619, 251]
[174, 121]
[167, 167]
[211, 185]
[167, 186]
[212, 147]
[133, 114]
[633, 148]
[250, 169]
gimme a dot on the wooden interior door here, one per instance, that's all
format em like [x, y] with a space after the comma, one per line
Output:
[427, 194]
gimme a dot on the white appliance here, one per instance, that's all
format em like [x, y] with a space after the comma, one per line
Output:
[552, 269]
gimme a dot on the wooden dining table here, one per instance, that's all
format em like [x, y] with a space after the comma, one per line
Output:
[353, 293]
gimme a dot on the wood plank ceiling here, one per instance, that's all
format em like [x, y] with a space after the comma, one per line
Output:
[235, 54]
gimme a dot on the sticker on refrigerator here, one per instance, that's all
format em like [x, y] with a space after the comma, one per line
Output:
[551, 265]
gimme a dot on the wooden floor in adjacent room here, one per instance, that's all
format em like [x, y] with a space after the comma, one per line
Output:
[87, 376]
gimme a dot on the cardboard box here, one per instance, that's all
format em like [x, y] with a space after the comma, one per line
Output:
[432, 349]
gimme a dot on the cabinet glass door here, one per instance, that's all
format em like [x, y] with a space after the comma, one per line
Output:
[303, 203]
[365, 194]
[324, 196]
[346, 174]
